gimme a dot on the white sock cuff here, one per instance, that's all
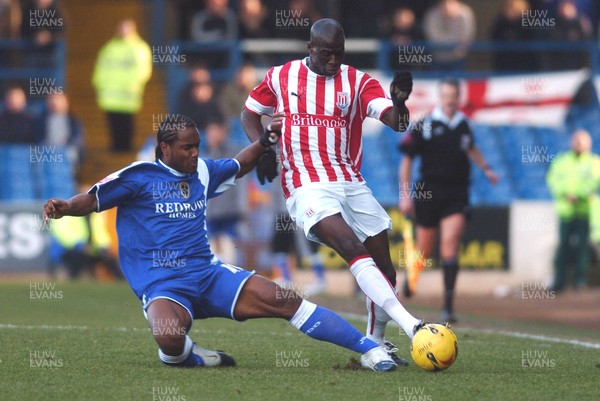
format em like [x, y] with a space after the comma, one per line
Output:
[359, 265]
[305, 310]
[187, 348]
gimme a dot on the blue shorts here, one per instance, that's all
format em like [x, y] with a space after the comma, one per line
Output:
[210, 292]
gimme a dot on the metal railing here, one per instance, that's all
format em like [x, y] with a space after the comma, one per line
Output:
[19, 61]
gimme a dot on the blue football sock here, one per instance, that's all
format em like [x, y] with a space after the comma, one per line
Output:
[187, 357]
[323, 324]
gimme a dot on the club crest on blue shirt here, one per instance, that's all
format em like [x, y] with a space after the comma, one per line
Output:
[342, 100]
[184, 188]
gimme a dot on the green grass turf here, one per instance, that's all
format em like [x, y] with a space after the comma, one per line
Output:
[103, 351]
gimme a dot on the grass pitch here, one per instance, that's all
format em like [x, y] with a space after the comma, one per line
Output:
[86, 341]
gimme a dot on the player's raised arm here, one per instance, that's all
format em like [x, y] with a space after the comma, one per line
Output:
[252, 125]
[398, 117]
[251, 154]
[79, 205]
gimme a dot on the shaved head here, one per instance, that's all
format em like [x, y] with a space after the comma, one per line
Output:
[326, 47]
[326, 30]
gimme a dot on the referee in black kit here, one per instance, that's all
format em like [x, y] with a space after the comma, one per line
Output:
[440, 198]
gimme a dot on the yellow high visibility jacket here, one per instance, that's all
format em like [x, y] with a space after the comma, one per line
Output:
[70, 231]
[595, 219]
[575, 176]
[122, 69]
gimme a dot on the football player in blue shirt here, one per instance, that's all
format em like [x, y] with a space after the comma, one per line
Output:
[166, 259]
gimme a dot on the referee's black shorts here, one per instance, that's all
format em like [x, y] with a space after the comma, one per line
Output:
[434, 201]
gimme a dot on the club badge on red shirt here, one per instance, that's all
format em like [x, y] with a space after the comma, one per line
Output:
[342, 100]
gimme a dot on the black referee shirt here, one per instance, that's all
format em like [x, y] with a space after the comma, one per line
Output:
[442, 145]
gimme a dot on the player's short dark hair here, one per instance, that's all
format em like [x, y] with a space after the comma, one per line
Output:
[168, 129]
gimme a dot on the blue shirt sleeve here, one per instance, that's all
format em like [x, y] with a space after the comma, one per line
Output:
[221, 173]
[116, 189]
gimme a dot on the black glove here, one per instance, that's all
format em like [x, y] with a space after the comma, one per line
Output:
[266, 167]
[270, 137]
[401, 87]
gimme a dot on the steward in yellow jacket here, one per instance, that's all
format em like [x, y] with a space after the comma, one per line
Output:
[574, 179]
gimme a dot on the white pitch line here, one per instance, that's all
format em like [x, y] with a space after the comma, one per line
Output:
[514, 334]
[127, 329]
[585, 344]
[41, 327]
[352, 316]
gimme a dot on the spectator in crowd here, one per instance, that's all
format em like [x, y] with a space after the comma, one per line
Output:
[573, 27]
[254, 20]
[59, 127]
[17, 125]
[43, 24]
[307, 9]
[508, 27]
[403, 28]
[300, 16]
[10, 28]
[362, 19]
[198, 100]
[216, 22]
[233, 96]
[223, 221]
[402, 31]
[450, 23]
[123, 67]
[418, 7]
[10, 19]
[185, 10]
[43, 21]
[573, 179]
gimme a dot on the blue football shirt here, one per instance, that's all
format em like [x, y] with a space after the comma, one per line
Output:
[161, 217]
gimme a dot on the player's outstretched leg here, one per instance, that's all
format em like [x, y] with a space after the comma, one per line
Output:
[169, 323]
[263, 298]
[377, 318]
[336, 233]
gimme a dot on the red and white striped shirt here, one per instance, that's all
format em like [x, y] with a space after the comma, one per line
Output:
[321, 136]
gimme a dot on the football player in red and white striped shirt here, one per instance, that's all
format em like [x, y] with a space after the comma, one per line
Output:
[323, 103]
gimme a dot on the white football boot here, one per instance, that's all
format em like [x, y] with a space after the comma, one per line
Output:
[378, 359]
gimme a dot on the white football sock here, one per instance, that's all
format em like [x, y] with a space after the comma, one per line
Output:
[377, 320]
[187, 348]
[375, 286]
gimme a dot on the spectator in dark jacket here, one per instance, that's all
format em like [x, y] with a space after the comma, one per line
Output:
[508, 27]
[43, 24]
[61, 128]
[17, 126]
[198, 100]
[216, 22]
[253, 20]
[571, 26]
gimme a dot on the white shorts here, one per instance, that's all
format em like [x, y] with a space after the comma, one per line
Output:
[313, 202]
